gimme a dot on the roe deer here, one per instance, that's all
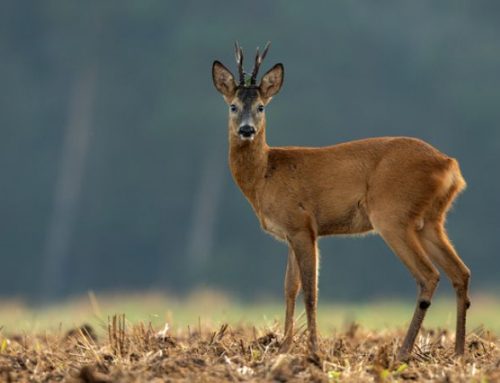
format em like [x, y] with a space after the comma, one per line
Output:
[399, 187]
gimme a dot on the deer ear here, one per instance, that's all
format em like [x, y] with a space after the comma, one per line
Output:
[271, 82]
[223, 79]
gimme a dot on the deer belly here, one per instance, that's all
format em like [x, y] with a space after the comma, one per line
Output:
[352, 221]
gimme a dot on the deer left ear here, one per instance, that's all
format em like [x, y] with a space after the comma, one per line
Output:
[271, 82]
[223, 79]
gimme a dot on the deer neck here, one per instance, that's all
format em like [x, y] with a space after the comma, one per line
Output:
[248, 163]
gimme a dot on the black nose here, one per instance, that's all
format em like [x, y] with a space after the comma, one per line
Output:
[246, 130]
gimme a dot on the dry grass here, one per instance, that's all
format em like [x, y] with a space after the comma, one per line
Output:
[138, 353]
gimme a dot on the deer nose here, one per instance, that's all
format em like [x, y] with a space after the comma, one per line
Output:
[246, 130]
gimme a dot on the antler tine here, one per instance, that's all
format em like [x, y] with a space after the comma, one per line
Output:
[239, 59]
[266, 48]
[258, 60]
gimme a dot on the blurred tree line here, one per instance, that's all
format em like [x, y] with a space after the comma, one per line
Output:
[113, 152]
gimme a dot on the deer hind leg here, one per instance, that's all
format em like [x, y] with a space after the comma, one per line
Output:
[439, 248]
[405, 243]
[306, 255]
[292, 287]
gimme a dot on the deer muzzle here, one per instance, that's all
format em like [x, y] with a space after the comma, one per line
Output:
[246, 131]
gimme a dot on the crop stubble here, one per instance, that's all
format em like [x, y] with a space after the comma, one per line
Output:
[139, 353]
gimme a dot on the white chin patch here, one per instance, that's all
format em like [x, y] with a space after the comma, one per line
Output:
[249, 138]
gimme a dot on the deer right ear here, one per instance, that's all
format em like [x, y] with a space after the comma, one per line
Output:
[223, 80]
[271, 82]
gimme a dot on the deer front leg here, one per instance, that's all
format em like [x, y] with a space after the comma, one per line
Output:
[292, 287]
[304, 248]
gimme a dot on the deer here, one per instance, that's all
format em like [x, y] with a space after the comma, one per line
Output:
[398, 187]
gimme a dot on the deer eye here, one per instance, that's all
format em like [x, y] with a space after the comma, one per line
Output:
[233, 108]
[260, 108]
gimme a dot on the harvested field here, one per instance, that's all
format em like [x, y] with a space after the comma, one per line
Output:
[125, 352]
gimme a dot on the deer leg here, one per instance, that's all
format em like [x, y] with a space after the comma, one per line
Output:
[304, 248]
[292, 286]
[407, 247]
[439, 248]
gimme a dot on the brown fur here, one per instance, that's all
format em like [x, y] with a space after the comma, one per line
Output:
[399, 187]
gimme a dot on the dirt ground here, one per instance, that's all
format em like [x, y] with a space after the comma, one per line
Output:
[123, 352]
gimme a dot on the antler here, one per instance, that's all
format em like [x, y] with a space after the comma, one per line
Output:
[258, 61]
[239, 59]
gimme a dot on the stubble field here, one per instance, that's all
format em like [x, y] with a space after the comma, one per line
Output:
[89, 344]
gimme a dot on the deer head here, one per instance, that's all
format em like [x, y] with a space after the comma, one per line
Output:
[245, 98]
